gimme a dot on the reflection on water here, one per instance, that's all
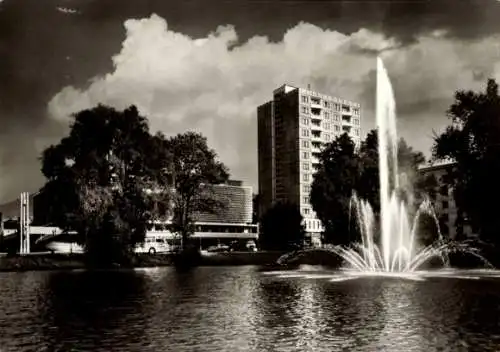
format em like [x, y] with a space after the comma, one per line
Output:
[240, 309]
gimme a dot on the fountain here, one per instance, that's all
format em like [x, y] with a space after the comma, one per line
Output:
[397, 253]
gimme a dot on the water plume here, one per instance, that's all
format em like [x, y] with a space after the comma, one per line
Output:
[398, 250]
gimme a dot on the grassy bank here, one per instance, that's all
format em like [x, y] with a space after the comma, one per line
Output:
[76, 261]
[41, 262]
[69, 261]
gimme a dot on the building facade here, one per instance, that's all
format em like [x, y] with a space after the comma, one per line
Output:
[292, 130]
[231, 222]
[236, 200]
[444, 202]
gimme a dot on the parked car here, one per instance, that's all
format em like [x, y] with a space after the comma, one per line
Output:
[251, 246]
[219, 248]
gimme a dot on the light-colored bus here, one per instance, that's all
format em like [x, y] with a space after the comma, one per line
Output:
[156, 242]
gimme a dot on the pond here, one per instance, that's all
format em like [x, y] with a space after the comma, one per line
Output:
[245, 309]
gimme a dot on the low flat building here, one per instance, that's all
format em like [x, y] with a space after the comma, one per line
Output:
[229, 224]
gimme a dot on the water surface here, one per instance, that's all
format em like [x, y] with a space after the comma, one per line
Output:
[242, 309]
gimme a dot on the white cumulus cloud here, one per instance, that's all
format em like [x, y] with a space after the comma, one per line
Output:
[214, 84]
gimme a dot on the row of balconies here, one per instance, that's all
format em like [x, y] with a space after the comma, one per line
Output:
[330, 103]
[319, 136]
[318, 121]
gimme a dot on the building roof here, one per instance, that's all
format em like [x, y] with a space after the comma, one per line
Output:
[443, 164]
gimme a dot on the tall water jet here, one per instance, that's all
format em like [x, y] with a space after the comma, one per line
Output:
[388, 154]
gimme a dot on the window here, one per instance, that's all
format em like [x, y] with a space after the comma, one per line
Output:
[305, 144]
[305, 199]
[356, 132]
[305, 155]
[328, 126]
[305, 110]
[305, 166]
[305, 99]
[337, 128]
[327, 115]
[336, 117]
[305, 133]
[305, 177]
[306, 211]
[305, 121]
[356, 121]
[327, 137]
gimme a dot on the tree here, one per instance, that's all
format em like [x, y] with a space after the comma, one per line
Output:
[282, 228]
[98, 179]
[412, 187]
[471, 141]
[195, 169]
[425, 188]
[332, 188]
[367, 186]
[427, 230]
[344, 170]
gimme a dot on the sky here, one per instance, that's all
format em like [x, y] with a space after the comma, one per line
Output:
[206, 66]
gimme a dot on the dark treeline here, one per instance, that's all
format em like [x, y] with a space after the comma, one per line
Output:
[110, 176]
[472, 141]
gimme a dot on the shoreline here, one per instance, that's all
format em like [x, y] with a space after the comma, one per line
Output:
[60, 261]
[48, 262]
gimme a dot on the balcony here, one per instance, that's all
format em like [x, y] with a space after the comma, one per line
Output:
[316, 137]
[315, 125]
[316, 120]
[316, 111]
[346, 119]
[315, 158]
[346, 129]
[316, 147]
[316, 102]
